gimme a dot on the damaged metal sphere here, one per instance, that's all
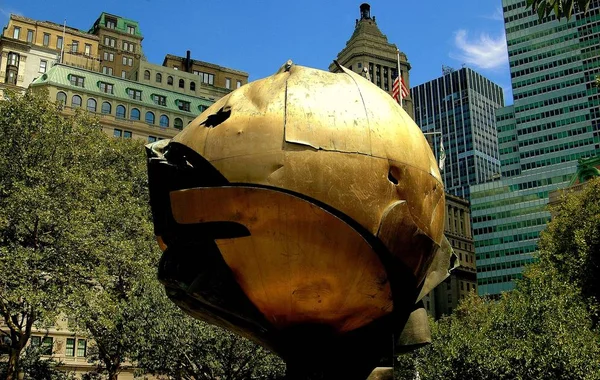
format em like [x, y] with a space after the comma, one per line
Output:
[306, 212]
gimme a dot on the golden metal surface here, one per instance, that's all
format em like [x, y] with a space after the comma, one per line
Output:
[300, 264]
[335, 139]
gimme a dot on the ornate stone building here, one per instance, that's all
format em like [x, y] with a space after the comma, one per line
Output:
[30, 47]
[120, 44]
[369, 52]
[446, 296]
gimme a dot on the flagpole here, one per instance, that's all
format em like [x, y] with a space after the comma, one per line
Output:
[62, 47]
[399, 78]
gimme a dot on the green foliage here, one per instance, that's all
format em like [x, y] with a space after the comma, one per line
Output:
[542, 329]
[182, 347]
[48, 195]
[560, 8]
[571, 243]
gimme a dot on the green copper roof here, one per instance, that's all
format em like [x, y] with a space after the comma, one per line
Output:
[59, 76]
[587, 169]
[121, 25]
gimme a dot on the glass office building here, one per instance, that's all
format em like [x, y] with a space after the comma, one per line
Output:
[551, 125]
[461, 105]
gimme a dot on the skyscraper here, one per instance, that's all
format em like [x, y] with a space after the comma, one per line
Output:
[461, 106]
[552, 124]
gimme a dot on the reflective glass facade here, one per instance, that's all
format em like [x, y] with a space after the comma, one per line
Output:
[461, 105]
[552, 124]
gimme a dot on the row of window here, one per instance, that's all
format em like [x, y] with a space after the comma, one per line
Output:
[46, 345]
[121, 111]
[74, 48]
[204, 78]
[111, 23]
[125, 45]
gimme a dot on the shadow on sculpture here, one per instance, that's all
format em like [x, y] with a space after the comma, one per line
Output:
[304, 211]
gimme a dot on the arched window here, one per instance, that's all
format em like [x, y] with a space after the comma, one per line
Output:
[178, 123]
[134, 114]
[149, 117]
[120, 111]
[170, 80]
[147, 75]
[181, 83]
[158, 77]
[193, 86]
[106, 108]
[76, 101]
[61, 97]
[91, 105]
[164, 121]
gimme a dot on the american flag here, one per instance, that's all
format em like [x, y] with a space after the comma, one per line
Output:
[398, 86]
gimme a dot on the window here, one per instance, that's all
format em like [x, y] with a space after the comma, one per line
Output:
[117, 133]
[16, 33]
[75, 46]
[192, 86]
[202, 108]
[30, 36]
[238, 84]
[76, 80]
[130, 29]
[121, 111]
[107, 70]
[61, 97]
[147, 75]
[106, 87]
[123, 74]
[106, 108]
[108, 41]
[13, 59]
[127, 134]
[76, 101]
[164, 121]
[152, 139]
[82, 346]
[59, 42]
[111, 23]
[184, 106]
[45, 344]
[46, 40]
[170, 80]
[87, 50]
[158, 77]
[91, 105]
[227, 82]
[109, 56]
[128, 46]
[159, 99]
[134, 114]
[11, 76]
[127, 61]
[70, 348]
[149, 117]
[134, 94]
[206, 78]
[43, 65]
[178, 123]
[181, 83]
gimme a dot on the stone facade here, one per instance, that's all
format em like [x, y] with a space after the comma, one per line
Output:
[368, 51]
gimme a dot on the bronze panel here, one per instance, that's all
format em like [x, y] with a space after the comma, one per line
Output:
[301, 264]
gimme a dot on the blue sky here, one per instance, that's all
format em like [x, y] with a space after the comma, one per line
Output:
[259, 36]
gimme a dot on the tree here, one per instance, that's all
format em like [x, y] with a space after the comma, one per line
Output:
[185, 348]
[560, 8]
[571, 243]
[542, 329]
[123, 260]
[48, 194]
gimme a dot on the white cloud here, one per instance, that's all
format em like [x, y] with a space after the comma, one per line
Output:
[496, 16]
[486, 52]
